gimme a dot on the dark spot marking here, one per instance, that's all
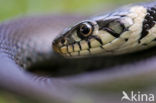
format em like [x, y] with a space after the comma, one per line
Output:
[98, 39]
[154, 39]
[73, 47]
[79, 45]
[89, 45]
[112, 32]
[139, 41]
[149, 22]
[67, 49]
[122, 15]
[126, 39]
[22, 65]
[145, 44]
[29, 59]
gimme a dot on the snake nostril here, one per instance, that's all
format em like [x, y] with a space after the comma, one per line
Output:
[63, 41]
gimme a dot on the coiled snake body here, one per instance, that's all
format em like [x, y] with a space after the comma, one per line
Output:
[27, 42]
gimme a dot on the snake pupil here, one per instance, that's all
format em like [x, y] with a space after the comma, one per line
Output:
[85, 30]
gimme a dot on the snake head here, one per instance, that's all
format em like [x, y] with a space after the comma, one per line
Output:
[91, 37]
[74, 40]
[110, 34]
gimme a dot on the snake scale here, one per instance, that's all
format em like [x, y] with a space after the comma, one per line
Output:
[26, 44]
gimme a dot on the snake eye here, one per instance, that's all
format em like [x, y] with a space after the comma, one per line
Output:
[85, 29]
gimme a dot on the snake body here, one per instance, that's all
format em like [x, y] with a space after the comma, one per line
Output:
[27, 42]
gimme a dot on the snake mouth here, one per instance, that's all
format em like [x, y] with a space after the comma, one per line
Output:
[83, 48]
[78, 51]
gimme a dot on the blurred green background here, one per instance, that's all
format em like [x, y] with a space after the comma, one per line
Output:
[11, 8]
[14, 8]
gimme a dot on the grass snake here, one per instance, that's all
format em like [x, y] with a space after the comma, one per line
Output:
[118, 48]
